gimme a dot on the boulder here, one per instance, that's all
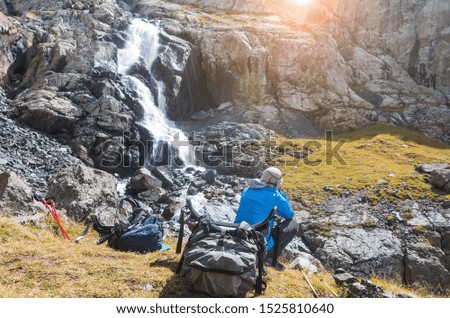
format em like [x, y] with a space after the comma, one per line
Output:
[210, 176]
[426, 264]
[163, 174]
[440, 178]
[16, 197]
[344, 279]
[430, 167]
[143, 180]
[45, 111]
[82, 191]
[306, 262]
[362, 251]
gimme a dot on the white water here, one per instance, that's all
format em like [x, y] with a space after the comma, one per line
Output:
[144, 43]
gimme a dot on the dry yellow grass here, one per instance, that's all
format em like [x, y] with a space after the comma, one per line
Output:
[38, 262]
[377, 152]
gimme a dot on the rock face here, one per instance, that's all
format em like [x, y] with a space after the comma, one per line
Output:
[82, 191]
[388, 240]
[60, 70]
[352, 71]
[16, 197]
[232, 148]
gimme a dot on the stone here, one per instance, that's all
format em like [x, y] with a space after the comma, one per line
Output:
[83, 191]
[306, 262]
[361, 251]
[430, 167]
[344, 279]
[382, 182]
[16, 197]
[147, 287]
[43, 110]
[154, 195]
[143, 180]
[439, 178]
[210, 176]
[426, 264]
[163, 174]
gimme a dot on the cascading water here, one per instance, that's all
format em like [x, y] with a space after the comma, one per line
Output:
[144, 46]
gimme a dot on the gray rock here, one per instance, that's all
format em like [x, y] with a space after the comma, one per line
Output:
[430, 167]
[143, 180]
[344, 279]
[361, 251]
[16, 197]
[82, 191]
[147, 287]
[439, 178]
[210, 176]
[426, 264]
[382, 182]
[43, 110]
[306, 262]
[163, 174]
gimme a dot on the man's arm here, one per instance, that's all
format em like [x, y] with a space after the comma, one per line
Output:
[284, 207]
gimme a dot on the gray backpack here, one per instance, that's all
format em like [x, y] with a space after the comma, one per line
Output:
[223, 259]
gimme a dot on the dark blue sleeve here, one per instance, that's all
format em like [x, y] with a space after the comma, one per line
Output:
[284, 207]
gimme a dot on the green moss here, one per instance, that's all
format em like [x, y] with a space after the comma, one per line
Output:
[369, 224]
[406, 216]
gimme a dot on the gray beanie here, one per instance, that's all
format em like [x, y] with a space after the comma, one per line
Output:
[272, 177]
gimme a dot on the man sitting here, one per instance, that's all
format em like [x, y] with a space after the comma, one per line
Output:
[258, 201]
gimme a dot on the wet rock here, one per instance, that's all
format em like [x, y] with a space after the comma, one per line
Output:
[210, 176]
[16, 197]
[163, 174]
[143, 180]
[154, 195]
[82, 191]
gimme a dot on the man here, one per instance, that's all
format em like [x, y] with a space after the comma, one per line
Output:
[259, 200]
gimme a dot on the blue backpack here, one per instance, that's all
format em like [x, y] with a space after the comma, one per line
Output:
[141, 233]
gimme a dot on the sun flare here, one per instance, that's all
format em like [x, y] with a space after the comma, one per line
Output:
[302, 2]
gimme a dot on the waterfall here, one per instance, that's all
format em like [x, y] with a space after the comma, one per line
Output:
[144, 45]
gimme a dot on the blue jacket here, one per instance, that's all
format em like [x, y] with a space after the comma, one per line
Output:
[257, 202]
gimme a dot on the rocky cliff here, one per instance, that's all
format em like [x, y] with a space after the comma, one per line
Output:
[340, 64]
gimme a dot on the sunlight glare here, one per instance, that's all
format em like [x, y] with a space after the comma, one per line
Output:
[302, 2]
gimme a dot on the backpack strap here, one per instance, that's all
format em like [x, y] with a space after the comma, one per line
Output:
[181, 231]
[260, 285]
[276, 245]
[85, 232]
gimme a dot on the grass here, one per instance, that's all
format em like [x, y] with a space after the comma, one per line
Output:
[379, 152]
[38, 262]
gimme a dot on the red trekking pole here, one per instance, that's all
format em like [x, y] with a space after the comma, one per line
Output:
[52, 210]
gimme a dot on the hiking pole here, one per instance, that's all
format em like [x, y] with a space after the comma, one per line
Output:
[52, 210]
[329, 288]
[310, 285]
